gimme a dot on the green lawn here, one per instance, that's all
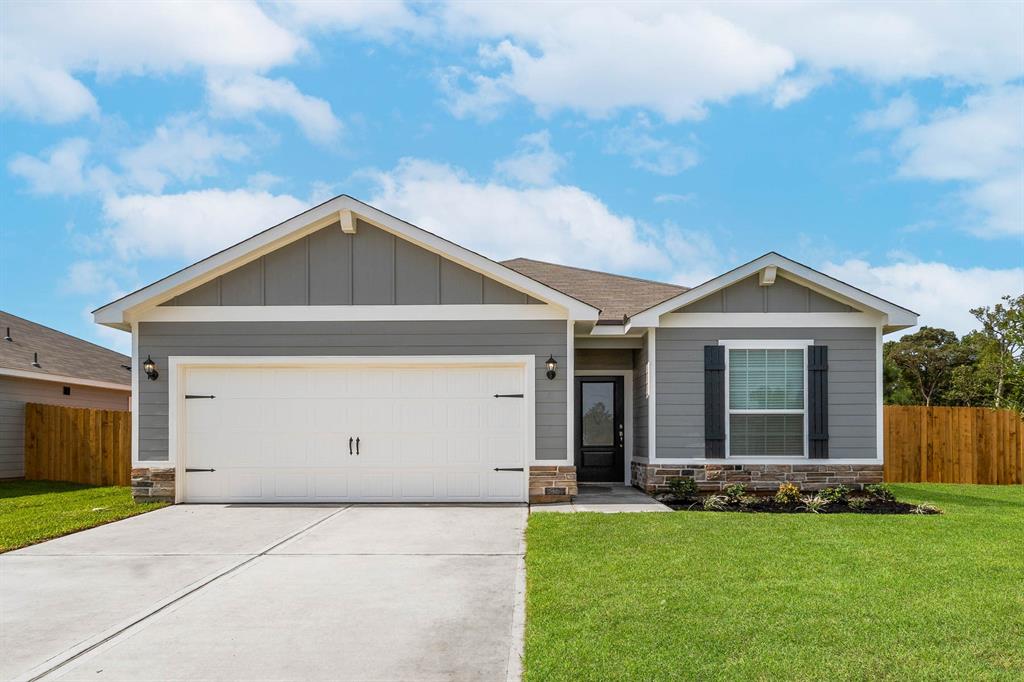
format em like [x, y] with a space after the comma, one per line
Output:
[33, 511]
[737, 596]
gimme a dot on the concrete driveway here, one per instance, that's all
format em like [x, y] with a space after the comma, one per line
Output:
[217, 592]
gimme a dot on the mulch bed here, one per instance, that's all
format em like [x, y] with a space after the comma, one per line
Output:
[770, 506]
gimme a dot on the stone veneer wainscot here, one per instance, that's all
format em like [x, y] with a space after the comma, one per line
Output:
[757, 477]
[552, 484]
[153, 485]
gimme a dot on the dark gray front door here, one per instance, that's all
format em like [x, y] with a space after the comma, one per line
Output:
[600, 434]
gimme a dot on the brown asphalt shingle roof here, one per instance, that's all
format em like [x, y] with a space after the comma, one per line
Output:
[60, 354]
[614, 295]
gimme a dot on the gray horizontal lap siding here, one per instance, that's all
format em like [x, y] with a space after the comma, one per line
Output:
[238, 339]
[852, 403]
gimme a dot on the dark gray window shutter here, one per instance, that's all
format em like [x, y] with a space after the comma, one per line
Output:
[817, 401]
[714, 401]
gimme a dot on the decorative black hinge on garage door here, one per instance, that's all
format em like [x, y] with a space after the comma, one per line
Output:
[508, 468]
[188, 470]
[509, 395]
[194, 397]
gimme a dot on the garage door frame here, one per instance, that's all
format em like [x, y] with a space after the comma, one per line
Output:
[178, 364]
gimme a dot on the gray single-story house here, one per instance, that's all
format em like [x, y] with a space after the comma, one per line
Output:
[43, 365]
[347, 355]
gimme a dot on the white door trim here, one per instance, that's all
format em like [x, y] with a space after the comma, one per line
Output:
[177, 364]
[627, 407]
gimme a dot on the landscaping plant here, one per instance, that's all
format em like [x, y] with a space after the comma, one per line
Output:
[734, 492]
[839, 493]
[814, 504]
[682, 488]
[715, 503]
[880, 492]
[788, 493]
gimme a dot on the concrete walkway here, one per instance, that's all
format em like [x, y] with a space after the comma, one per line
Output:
[606, 498]
[218, 592]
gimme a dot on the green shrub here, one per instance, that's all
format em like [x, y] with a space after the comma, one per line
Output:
[747, 501]
[715, 503]
[735, 491]
[858, 504]
[815, 504]
[682, 488]
[788, 493]
[881, 492]
[926, 508]
[838, 493]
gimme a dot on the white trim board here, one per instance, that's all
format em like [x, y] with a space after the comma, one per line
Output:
[800, 461]
[119, 313]
[627, 407]
[61, 379]
[350, 313]
[177, 364]
[769, 320]
[895, 317]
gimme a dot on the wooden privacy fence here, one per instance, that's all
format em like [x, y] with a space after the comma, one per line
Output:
[77, 444]
[953, 445]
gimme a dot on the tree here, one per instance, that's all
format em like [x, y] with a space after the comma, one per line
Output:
[926, 360]
[995, 376]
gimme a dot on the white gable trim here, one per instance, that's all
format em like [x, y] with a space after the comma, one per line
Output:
[120, 313]
[895, 317]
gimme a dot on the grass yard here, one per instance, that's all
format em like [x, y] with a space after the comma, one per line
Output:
[33, 511]
[737, 596]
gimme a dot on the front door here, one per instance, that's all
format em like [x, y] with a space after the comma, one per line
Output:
[600, 429]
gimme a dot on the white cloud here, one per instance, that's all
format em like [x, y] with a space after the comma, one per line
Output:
[62, 171]
[898, 113]
[534, 163]
[673, 198]
[941, 293]
[382, 20]
[96, 278]
[675, 59]
[981, 145]
[182, 149]
[649, 153]
[601, 58]
[248, 94]
[563, 224]
[191, 225]
[46, 43]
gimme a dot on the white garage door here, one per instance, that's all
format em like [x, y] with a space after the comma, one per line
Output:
[354, 433]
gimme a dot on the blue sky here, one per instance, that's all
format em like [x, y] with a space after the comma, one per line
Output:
[881, 143]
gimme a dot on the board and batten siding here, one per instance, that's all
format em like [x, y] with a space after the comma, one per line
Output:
[15, 392]
[748, 296]
[852, 399]
[539, 338]
[371, 267]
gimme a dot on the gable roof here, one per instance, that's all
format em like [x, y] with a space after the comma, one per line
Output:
[615, 295]
[342, 209]
[895, 317]
[62, 357]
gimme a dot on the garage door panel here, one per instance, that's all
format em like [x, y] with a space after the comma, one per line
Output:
[426, 434]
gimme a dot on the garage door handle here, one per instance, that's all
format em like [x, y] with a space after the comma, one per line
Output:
[508, 468]
[508, 395]
[350, 445]
[357, 445]
[187, 470]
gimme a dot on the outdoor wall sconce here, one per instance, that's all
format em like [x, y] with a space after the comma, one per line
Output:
[551, 365]
[150, 368]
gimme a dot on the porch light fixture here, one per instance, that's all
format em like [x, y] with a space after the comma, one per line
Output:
[149, 367]
[551, 365]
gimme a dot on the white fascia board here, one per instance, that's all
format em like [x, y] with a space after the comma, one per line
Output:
[766, 320]
[62, 379]
[121, 312]
[610, 329]
[350, 313]
[895, 315]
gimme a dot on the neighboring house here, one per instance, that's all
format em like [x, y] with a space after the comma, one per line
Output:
[348, 355]
[43, 365]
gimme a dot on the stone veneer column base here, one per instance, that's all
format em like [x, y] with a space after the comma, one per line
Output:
[552, 484]
[757, 477]
[153, 485]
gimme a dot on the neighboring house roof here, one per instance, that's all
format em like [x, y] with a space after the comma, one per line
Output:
[62, 357]
[615, 295]
[343, 209]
